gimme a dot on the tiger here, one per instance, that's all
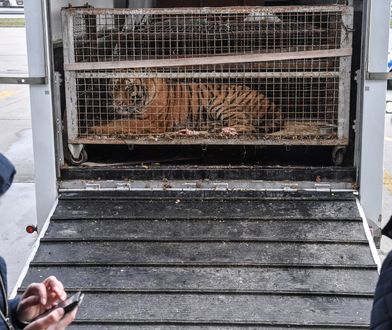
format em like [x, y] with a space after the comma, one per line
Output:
[158, 105]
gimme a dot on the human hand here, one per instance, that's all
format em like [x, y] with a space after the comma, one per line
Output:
[55, 320]
[39, 297]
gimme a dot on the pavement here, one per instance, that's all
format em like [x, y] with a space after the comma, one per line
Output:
[17, 207]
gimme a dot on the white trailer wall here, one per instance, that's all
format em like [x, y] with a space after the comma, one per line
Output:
[373, 109]
[56, 12]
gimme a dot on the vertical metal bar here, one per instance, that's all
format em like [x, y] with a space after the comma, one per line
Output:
[70, 77]
[41, 109]
[345, 75]
[58, 122]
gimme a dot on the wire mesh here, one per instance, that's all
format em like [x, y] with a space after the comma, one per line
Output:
[286, 100]
[142, 36]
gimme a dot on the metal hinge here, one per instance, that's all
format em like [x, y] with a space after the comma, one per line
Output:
[92, 186]
[323, 187]
[104, 186]
[23, 80]
[123, 186]
[378, 75]
[291, 187]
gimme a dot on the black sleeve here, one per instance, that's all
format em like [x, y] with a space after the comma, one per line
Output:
[13, 305]
[381, 317]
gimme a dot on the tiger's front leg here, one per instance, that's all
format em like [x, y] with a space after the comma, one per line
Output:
[236, 130]
[127, 127]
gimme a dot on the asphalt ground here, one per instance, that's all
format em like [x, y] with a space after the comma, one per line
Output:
[17, 207]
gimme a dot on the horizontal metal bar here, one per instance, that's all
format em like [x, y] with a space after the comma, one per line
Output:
[178, 141]
[210, 60]
[208, 75]
[23, 80]
[378, 75]
[207, 10]
[202, 185]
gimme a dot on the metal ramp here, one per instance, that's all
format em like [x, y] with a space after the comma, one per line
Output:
[211, 260]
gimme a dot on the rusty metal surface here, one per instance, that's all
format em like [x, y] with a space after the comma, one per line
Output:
[206, 10]
[212, 60]
[243, 141]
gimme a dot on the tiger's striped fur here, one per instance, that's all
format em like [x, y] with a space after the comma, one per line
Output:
[156, 105]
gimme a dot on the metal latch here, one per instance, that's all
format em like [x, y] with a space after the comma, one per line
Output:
[378, 75]
[23, 80]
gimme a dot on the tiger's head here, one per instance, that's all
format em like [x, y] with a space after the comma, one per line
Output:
[130, 95]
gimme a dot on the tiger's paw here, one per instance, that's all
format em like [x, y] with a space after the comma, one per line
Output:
[228, 131]
[188, 132]
[101, 130]
[96, 130]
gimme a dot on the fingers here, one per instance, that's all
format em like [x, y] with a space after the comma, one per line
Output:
[29, 302]
[68, 318]
[45, 322]
[55, 286]
[38, 290]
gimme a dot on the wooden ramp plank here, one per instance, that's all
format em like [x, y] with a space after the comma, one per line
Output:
[211, 260]
[185, 230]
[256, 280]
[208, 253]
[225, 309]
[212, 209]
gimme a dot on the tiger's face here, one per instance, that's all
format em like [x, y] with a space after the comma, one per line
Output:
[129, 96]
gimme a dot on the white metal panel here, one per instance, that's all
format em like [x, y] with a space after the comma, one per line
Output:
[374, 96]
[41, 112]
[56, 12]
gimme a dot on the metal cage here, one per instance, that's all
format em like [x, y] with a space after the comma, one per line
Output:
[237, 75]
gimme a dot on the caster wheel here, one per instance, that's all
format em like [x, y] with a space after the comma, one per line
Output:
[78, 161]
[338, 154]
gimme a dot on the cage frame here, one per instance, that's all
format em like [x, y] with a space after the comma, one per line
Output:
[74, 70]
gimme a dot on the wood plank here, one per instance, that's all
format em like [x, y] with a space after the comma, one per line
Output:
[211, 279]
[208, 60]
[225, 309]
[207, 230]
[208, 253]
[174, 209]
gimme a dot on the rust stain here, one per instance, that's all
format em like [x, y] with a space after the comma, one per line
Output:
[207, 10]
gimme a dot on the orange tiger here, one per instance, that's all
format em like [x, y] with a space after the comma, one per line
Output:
[157, 105]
